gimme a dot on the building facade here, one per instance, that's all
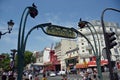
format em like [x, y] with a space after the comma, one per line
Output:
[70, 54]
[61, 48]
[85, 49]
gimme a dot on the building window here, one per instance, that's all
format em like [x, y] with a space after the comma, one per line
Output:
[67, 54]
[83, 50]
[111, 29]
[102, 43]
[82, 43]
[80, 29]
[73, 52]
[82, 39]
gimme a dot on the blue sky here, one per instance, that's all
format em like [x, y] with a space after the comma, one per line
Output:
[60, 12]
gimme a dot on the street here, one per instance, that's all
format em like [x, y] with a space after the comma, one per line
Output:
[73, 77]
[76, 77]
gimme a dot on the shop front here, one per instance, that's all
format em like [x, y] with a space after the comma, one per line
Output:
[71, 64]
[52, 66]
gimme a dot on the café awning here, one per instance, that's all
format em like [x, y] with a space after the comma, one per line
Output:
[93, 63]
[82, 65]
[104, 62]
[39, 64]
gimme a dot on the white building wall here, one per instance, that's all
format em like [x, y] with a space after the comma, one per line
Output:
[46, 55]
[83, 44]
[64, 46]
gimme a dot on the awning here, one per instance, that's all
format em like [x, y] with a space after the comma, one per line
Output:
[47, 63]
[81, 65]
[93, 63]
[39, 64]
[104, 62]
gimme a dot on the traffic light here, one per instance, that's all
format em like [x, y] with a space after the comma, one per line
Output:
[111, 39]
[12, 56]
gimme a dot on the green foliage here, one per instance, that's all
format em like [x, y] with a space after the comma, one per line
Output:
[28, 58]
[5, 63]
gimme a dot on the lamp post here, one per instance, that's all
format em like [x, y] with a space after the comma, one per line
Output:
[107, 43]
[10, 25]
[83, 24]
[33, 13]
[22, 39]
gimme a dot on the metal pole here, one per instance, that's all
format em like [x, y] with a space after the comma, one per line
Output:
[22, 39]
[35, 27]
[21, 49]
[98, 57]
[83, 24]
[106, 43]
[20, 54]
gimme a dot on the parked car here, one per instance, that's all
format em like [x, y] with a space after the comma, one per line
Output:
[61, 73]
[52, 74]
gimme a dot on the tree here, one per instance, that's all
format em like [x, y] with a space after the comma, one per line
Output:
[28, 57]
[5, 62]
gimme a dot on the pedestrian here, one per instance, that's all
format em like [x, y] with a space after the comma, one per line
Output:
[11, 77]
[44, 77]
[30, 76]
[64, 77]
[36, 77]
[115, 75]
[86, 76]
[94, 76]
[4, 77]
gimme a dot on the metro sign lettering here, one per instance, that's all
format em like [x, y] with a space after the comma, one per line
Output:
[60, 31]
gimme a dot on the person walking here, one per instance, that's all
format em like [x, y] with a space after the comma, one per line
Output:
[86, 76]
[64, 77]
[44, 77]
[36, 77]
[30, 76]
[11, 77]
[4, 77]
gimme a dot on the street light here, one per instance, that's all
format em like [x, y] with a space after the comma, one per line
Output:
[32, 10]
[83, 24]
[22, 39]
[106, 41]
[10, 26]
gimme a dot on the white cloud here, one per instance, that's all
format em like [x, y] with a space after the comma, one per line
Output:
[56, 19]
